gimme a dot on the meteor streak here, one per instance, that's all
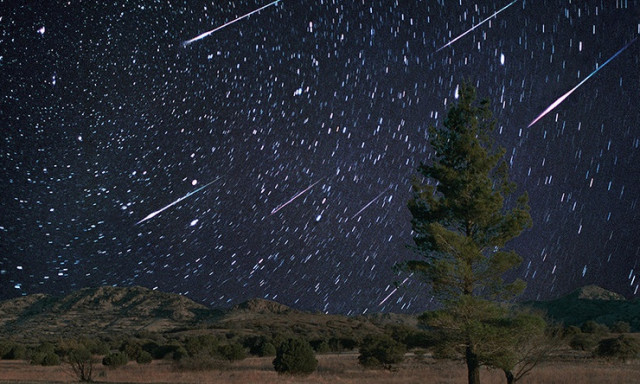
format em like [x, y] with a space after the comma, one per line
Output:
[154, 214]
[371, 202]
[203, 35]
[394, 291]
[279, 207]
[563, 97]
[477, 25]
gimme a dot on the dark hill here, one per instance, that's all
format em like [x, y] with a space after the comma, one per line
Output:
[592, 303]
[100, 310]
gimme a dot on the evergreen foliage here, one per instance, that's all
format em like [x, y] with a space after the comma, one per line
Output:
[380, 351]
[461, 223]
[296, 357]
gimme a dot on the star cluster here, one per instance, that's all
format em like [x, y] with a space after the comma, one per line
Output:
[308, 119]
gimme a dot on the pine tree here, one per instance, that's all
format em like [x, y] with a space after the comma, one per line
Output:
[461, 224]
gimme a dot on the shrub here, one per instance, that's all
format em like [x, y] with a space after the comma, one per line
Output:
[131, 348]
[591, 326]
[179, 354]
[202, 344]
[572, 330]
[622, 347]
[45, 359]
[232, 351]
[380, 351]
[267, 349]
[295, 356]
[115, 360]
[17, 352]
[321, 346]
[621, 327]
[144, 358]
[583, 342]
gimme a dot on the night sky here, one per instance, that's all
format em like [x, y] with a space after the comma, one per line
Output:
[286, 142]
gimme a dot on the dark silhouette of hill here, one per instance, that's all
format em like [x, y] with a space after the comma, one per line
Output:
[592, 303]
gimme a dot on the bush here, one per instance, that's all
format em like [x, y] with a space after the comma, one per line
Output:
[131, 348]
[583, 342]
[267, 349]
[295, 356]
[591, 326]
[45, 359]
[232, 352]
[201, 344]
[144, 358]
[115, 360]
[321, 346]
[622, 347]
[572, 330]
[380, 351]
[621, 327]
[17, 352]
[179, 354]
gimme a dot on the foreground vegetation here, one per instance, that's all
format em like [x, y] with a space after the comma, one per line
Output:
[332, 368]
[396, 353]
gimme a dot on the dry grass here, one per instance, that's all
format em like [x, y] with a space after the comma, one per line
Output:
[332, 369]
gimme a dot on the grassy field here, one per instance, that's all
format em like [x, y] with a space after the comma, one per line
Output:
[332, 369]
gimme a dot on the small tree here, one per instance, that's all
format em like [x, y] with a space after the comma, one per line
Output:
[461, 224]
[516, 343]
[295, 356]
[380, 351]
[81, 362]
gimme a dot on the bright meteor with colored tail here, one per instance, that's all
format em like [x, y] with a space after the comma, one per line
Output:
[203, 35]
[156, 213]
[563, 97]
[477, 25]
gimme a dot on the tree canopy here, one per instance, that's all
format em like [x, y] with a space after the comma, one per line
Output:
[463, 214]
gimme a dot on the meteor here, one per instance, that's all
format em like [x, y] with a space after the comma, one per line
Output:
[394, 291]
[371, 202]
[563, 97]
[156, 213]
[477, 25]
[203, 35]
[279, 207]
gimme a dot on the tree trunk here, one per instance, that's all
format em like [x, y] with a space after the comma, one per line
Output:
[473, 366]
[510, 378]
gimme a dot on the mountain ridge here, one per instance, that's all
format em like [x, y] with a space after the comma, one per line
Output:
[112, 310]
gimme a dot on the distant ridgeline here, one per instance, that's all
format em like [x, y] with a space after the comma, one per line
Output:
[112, 310]
[592, 303]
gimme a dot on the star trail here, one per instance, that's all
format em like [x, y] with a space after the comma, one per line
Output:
[112, 111]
